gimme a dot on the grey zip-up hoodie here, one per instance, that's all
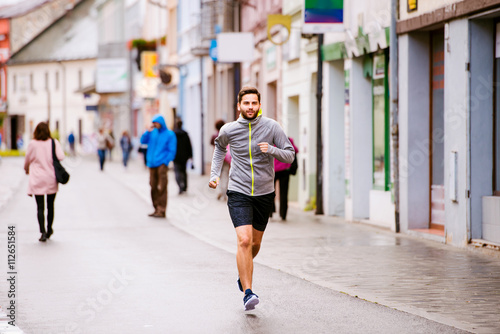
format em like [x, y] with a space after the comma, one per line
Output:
[252, 171]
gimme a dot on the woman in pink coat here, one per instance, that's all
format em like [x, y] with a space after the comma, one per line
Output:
[42, 176]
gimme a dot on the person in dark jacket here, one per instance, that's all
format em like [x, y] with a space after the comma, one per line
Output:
[126, 145]
[162, 147]
[184, 153]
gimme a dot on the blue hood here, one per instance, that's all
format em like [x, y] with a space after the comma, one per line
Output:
[159, 119]
[162, 144]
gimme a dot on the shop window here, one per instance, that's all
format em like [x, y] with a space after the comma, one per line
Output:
[381, 159]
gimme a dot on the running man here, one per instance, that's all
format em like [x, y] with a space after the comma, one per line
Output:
[255, 141]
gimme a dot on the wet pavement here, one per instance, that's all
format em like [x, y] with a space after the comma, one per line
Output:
[456, 287]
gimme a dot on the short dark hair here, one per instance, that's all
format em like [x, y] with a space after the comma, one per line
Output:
[248, 90]
[219, 124]
[42, 131]
[178, 123]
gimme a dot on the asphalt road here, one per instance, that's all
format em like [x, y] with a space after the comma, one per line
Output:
[109, 268]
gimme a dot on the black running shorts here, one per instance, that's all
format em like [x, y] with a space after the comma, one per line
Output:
[250, 210]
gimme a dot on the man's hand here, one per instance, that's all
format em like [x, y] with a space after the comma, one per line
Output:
[214, 184]
[151, 127]
[263, 146]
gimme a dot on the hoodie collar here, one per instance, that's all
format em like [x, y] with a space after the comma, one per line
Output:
[254, 121]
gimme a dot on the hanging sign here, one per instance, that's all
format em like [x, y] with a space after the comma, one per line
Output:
[283, 20]
[322, 16]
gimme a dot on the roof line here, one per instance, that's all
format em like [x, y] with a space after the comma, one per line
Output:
[12, 62]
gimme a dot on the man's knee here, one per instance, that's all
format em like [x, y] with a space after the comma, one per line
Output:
[244, 241]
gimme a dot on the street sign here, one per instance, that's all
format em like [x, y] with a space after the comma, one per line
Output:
[322, 16]
[213, 49]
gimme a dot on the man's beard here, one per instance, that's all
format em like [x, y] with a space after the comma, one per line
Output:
[250, 118]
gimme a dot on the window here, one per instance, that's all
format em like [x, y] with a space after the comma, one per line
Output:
[80, 79]
[46, 80]
[57, 80]
[14, 82]
[32, 84]
[380, 86]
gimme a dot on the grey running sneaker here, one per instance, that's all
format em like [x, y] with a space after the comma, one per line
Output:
[250, 300]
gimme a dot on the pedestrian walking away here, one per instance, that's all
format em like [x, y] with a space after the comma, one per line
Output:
[184, 153]
[255, 141]
[71, 141]
[110, 144]
[104, 140]
[282, 172]
[126, 145]
[224, 177]
[39, 165]
[162, 146]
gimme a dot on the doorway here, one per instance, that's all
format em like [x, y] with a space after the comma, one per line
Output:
[436, 135]
[13, 132]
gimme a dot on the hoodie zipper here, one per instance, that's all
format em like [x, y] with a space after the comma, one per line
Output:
[250, 150]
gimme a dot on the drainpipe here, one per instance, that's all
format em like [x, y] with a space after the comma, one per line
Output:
[319, 143]
[393, 56]
[202, 116]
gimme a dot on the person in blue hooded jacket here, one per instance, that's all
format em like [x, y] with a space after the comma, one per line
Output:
[162, 147]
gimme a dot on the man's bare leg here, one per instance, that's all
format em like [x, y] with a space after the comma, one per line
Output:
[256, 241]
[244, 258]
[249, 240]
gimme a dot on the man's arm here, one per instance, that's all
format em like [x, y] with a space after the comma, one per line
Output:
[221, 143]
[145, 137]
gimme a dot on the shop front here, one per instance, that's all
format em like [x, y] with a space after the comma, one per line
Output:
[358, 151]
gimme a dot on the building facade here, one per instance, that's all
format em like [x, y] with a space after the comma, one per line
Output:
[19, 24]
[45, 81]
[449, 120]
[357, 153]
